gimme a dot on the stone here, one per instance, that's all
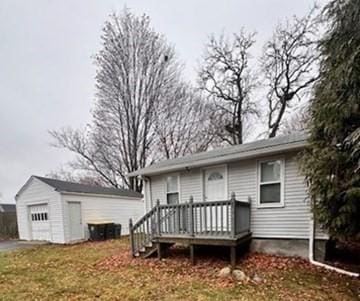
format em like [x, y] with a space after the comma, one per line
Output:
[257, 278]
[225, 272]
[240, 275]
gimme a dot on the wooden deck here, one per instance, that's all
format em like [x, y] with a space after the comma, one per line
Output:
[219, 223]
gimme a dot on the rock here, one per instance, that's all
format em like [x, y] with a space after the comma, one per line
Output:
[225, 272]
[257, 278]
[240, 275]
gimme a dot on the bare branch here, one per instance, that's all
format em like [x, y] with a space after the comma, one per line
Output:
[228, 80]
[290, 65]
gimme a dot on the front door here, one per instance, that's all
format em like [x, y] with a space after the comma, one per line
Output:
[76, 228]
[215, 189]
[215, 184]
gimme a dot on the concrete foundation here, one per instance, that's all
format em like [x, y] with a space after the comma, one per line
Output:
[288, 247]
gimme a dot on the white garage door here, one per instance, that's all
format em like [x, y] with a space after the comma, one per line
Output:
[39, 218]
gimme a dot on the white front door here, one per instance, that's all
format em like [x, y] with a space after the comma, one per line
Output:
[215, 184]
[75, 221]
[215, 189]
[39, 219]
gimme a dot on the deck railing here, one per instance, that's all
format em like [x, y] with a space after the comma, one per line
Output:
[223, 219]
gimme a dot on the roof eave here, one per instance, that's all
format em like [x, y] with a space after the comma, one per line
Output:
[116, 196]
[223, 159]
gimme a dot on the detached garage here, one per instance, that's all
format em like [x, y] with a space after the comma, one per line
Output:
[59, 211]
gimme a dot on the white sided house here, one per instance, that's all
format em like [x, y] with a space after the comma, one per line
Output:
[253, 190]
[59, 211]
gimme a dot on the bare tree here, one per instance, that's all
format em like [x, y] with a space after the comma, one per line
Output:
[183, 123]
[296, 122]
[289, 65]
[227, 78]
[91, 157]
[136, 68]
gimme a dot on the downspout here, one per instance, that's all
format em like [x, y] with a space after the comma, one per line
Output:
[320, 264]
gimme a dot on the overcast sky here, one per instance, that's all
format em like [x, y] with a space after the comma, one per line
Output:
[47, 75]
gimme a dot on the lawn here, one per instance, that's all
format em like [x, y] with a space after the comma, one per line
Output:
[105, 271]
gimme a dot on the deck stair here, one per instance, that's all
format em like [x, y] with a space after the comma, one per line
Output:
[224, 223]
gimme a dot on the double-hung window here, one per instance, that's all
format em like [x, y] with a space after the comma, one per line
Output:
[271, 184]
[172, 189]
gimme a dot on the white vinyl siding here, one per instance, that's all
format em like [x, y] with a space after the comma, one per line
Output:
[101, 208]
[289, 221]
[158, 189]
[191, 185]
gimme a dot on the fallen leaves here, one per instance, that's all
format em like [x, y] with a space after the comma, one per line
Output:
[106, 271]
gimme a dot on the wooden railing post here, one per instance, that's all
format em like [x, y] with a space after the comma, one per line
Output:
[131, 232]
[177, 218]
[233, 214]
[249, 213]
[191, 216]
[158, 220]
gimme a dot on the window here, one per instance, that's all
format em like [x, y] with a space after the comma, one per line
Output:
[270, 183]
[215, 176]
[172, 189]
[39, 216]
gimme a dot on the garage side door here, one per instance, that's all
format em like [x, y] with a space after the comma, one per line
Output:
[76, 227]
[39, 219]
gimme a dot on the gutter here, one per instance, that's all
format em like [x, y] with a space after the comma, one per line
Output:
[320, 264]
[111, 196]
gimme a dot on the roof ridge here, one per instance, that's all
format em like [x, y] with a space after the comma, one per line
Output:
[77, 183]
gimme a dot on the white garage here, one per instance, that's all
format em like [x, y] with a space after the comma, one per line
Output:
[59, 211]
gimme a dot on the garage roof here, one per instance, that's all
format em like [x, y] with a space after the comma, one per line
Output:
[64, 186]
[7, 208]
[238, 152]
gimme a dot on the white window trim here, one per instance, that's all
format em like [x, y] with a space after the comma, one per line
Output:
[165, 186]
[203, 181]
[282, 183]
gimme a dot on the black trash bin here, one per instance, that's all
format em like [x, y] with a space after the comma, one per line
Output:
[117, 228]
[97, 231]
[110, 231]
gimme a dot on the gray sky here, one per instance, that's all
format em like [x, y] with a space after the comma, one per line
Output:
[46, 71]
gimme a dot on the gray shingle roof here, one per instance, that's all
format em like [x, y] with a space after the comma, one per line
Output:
[237, 152]
[64, 186]
[7, 208]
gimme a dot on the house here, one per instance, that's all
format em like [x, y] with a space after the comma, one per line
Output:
[58, 211]
[252, 192]
[7, 208]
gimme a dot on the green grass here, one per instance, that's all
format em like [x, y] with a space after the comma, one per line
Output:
[104, 271]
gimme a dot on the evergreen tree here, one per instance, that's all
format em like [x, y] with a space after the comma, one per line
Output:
[331, 162]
